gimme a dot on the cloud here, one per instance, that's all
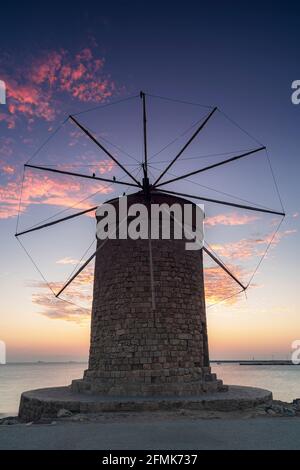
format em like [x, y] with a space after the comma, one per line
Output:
[43, 189]
[30, 101]
[68, 260]
[6, 151]
[52, 81]
[240, 250]
[8, 119]
[231, 219]
[60, 310]
[75, 303]
[9, 170]
[248, 248]
[39, 91]
[219, 286]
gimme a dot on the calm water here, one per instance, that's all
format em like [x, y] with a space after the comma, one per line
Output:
[16, 378]
[284, 381]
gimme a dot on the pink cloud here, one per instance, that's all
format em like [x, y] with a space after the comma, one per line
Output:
[68, 261]
[40, 90]
[42, 189]
[46, 69]
[77, 294]
[219, 286]
[57, 309]
[8, 169]
[85, 54]
[30, 101]
[248, 248]
[6, 147]
[9, 120]
[46, 188]
[230, 219]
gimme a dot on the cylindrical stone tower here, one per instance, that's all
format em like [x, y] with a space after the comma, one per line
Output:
[137, 350]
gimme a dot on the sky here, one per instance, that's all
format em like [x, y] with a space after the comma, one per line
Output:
[58, 59]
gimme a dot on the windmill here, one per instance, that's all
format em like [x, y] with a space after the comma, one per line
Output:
[148, 331]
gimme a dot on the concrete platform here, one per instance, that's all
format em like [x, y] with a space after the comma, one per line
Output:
[46, 402]
[189, 434]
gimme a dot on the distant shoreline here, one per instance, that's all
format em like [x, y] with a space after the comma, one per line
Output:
[43, 362]
[254, 362]
[257, 362]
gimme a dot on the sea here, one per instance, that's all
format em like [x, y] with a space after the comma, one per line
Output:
[282, 380]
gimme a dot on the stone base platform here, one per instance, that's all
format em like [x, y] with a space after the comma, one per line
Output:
[46, 402]
[136, 386]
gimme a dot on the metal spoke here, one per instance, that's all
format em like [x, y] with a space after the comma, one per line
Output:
[54, 222]
[88, 261]
[78, 272]
[70, 173]
[186, 145]
[143, 97]
[213, 189]
[225, 203]
[104, 149]
[216, 260]
[210, 167]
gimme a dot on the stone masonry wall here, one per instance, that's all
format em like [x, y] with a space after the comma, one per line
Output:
[136, 350]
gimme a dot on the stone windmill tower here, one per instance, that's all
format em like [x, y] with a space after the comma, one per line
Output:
[148, 333]
[148, 329]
